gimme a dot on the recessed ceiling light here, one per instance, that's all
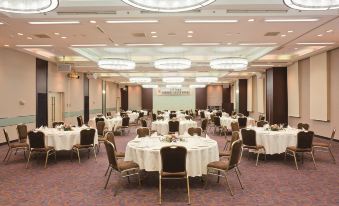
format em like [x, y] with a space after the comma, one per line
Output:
[211, 21]
[189, 36]
[154, 36]
[229, 43]
[190, 32]
[328, 31]
[1, 23]
[53, 22]
[290, 31]
[88, 45]
[132, 21]
[64, 37]
[34, 45]
[320, 35]
[316, 43]
[92, 22]
[257, 44]
[296, 48]
[153, 32]
[28, 7]
[200, 44]
[283, 35]
[250, 20]
[56, 33]
[144, 44]
[20, 34]
[291, 20]
[29, 38]
[6, 45]
[116, 44]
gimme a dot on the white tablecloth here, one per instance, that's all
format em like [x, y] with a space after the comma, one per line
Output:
[146, 152]
[161, 126]
[132, 116]
[275, 142]
[64, 140]
[109, 123]
[226, 121]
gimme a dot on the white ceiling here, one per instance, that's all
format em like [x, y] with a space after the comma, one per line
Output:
[172, 32]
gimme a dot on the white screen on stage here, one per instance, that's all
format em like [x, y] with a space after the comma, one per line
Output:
[163, 102]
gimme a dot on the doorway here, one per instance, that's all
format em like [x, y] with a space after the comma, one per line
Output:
[55, 107]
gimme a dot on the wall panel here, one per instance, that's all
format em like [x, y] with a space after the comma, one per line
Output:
[293, 90]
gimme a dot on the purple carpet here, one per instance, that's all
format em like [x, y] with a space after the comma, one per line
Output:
[273, 182]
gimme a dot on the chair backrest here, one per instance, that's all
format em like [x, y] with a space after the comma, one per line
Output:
[194, 130]
[204, 124]
[87, 136]
[143, 132]
[110, 137]
[217, 121]
[242, 122]
[202, 115]
[109, 114]
[172, 115]
[101, 127]
[80, 121]
[261, 117]
[97, 119]
[233, 113]
[173, 159]
[235, 136]
[22, 132]
[236, 153]
[332, 136]
[143, 123]
[173, 126]
[240, 114]
[7, 137]
[249, 137]
[160, 118]
[212, 117]
[55, 124]
[110, 151]
[306, 126]
[261, 123]
[125, 121]
[305, 139]
[300, 125]
[36, 139]
[219, 113]
[154, 117]
[235, 126]
[141, 114]
[188, 117]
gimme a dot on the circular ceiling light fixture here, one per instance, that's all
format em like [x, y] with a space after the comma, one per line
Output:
[172, 63]
[229, 63]
[116, 64]
[168, 5]
[28, 6]
[312, 4]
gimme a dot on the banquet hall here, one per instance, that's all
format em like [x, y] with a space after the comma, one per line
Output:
[169, 102]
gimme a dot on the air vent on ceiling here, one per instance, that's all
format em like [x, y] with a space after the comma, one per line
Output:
[272, 34]
[241, 11]
[172, 34]
[42, 36]
[139, 35]
[86, 12]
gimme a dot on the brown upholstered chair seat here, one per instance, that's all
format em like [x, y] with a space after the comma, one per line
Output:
[225, 154]
[126, 165]
[254, 147]
[120, 154]
[18, 145]
[173, 174]
[221, 165]
[79, 146]
[295, 149]
[320, 144]
[101, 138]
[43, 149]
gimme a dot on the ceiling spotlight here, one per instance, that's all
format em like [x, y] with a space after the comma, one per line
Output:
[189, 36]
[283, 35]
[116, 64]
[329, 31]
[290, 31]
[20, 34]
[190, 32]
[173, 79]
[320, 35]
[229, 63]
[93, 22]
[312, 4]
[28, 7]
[64, 37]
[56, 33]
[172, 64]
[140, 79]
[168, 6]
[250, 20]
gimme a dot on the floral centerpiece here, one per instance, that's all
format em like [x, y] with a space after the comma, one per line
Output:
[275, 127]
[68, 128]
[234, 116]
[172, 138]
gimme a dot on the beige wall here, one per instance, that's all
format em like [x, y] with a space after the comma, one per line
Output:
[214, 95]
[112, 92]
[258, 97]
[134, 97]
[95, 97]
[319, 127]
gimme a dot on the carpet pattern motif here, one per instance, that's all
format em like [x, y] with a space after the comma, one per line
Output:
[273, 182]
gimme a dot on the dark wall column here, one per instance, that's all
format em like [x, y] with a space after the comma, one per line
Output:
[243, 96]
[41, 92]
[86, 99]
[276, 95]
[201, 98]
[227, 106]
[147, 99]
[124, 98]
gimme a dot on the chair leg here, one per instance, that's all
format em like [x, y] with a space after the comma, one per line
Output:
[295, 160]
[9, 156]
[329, 149]
[109, 176]
[256, 164]
[313, 160]
[47, 154]
[218, 176]
[139, 179]
[95, 155]
[29, 157]
[159, 189]
[228, 185]
[188, 189]
[78, 155]
[107, 169]
[6, 154]
[236, 172]
[129, 182]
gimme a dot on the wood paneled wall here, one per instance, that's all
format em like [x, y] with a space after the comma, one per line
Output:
[276, 95]
[243, 96]
[86, 99]
[41, 92]
[147, 99]
[200, 98]
[124, 98]
[227, 106]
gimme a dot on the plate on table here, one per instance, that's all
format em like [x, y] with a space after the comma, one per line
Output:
[136, 140]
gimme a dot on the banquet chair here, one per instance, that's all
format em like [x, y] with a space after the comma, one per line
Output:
[124, 168]
[261, 117]
[304, 145]
[80, 121]
[154, 117]
[204, 126]
[14, 146]
[125, 124]
[173, 127]
[235, 127]
[143, 132]
[220, 168]
[217, 124]
[188, 117]
[97, 119]
[250, 142]
[234, 113]
[240, 115]
[242, 122]
[173, 166]
[172, 115]
[261, 123]
[303, 126]
[101, 132]
[219, 113]
[119, 155]
[143, 123]
[123, 114]
[227, 153]
[160, 118]
[37, 144]
[22, 132]
[86, 142]
[109, 114]
[194, 131]
[202, 115]
[141, 116]
[55, 124]
[325, 146]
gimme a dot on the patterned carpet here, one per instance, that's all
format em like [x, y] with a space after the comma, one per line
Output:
[273, 182]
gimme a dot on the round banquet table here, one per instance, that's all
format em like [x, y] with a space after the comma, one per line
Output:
[226, 121]
[64, 140]
[275, 142]
[161, 126]
[146, 152]
[109, 122]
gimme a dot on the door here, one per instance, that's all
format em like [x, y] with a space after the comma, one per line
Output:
[55, 107]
